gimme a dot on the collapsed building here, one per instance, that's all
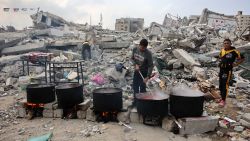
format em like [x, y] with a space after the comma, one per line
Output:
[184, 54]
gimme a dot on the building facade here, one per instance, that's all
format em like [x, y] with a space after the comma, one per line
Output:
[243, 21]
[129, 24]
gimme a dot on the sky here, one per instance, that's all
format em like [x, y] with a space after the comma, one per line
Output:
[80, 11]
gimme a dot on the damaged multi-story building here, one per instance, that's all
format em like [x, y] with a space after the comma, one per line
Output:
[243, 21]
[129, 24]
[218, 21]
[45, 19]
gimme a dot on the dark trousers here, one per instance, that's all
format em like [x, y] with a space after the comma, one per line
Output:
[138, 85]
[86, 53]
[224, 78]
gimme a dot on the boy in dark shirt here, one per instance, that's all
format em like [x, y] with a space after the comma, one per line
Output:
[227, 57]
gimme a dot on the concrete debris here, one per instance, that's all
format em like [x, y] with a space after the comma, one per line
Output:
[186, 59]
[24, 48]
[198, 125]
[185, 52]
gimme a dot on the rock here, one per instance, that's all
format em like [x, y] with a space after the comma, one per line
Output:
[241, 84]
[199, 73]
[246, 117]
[167, 124]
[21, 112]
[186, 59]
[245, 123]
[48, 113]
[58, 113]
[238, 128]
[171, 62]
[49, 106]
[81, 114]
[177, 65]
[220, 134]
[135, 117]
[21, 131]
[123, 116]
[9, 81]
[90, 115]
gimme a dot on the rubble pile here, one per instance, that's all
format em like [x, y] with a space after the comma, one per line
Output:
[182, 54]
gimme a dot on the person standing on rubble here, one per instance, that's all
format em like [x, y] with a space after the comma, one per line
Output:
[143, 63]
[86, 51]
[228, 56]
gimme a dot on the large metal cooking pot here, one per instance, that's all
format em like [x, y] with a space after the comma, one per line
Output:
[68, 95]
[40, 93]
[153, 103]
[186, 102]
[107, 99]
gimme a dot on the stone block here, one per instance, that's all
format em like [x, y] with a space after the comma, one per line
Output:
[9, 81]
[49, 106]
[246, 109]
[84, 105]
[123, 116]
[90, 115]
[108, 39]
[135, 117]
[242, 84]
[199, 72]
[81, 114]
[58, 113]
[186, 59]
[177, 65]
[22, 103]
[244, 123]
[167, 123]
[48, 113]
[21, 112]
[198, 125]
[246, 117]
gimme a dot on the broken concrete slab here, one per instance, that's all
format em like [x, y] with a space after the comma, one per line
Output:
[199, 73]
[10, 43]
[246, 117]
[8, 59]
[177, 65]
[186, 43]
[186, 59]
[198, 125]
[109, 38]
[172, 61]
[115, 45]
[244, 123]
[24, 48]
[9, 81]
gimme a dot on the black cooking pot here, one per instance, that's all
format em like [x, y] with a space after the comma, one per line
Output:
[40, 93]
[69, 95]
[152, 104]
[186, 104]
[107, 99]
